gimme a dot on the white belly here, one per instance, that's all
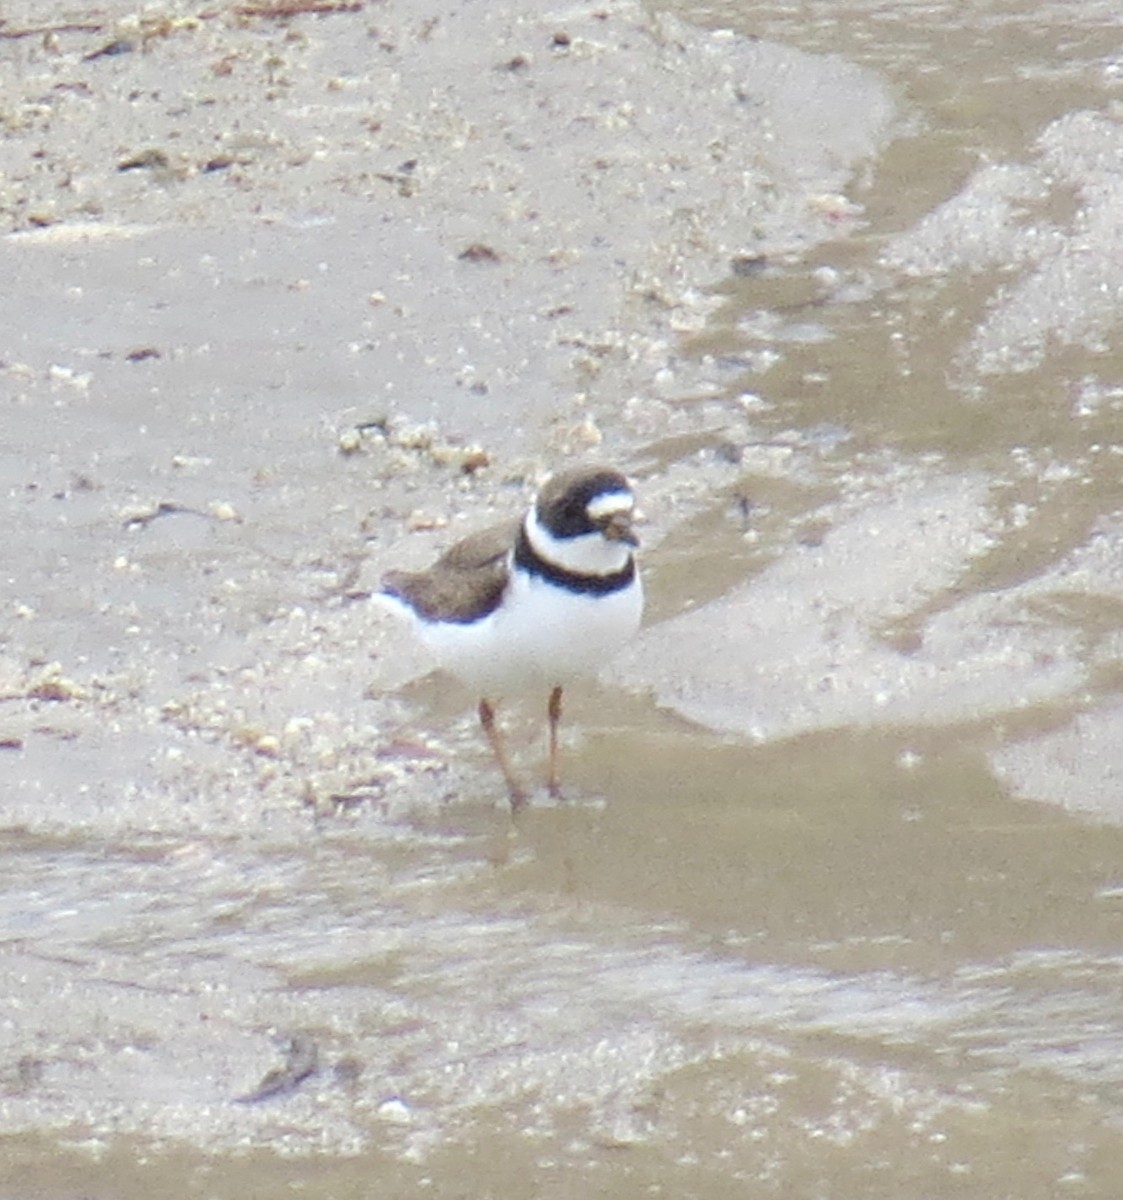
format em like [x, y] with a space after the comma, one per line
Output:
[540, 636]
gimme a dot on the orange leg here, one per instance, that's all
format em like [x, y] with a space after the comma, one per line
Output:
[553, 781]
[495, 741]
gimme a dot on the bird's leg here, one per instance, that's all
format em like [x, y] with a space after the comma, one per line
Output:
[554, 709]
[495, 741]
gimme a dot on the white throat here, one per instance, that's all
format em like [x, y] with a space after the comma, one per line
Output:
[589, 554]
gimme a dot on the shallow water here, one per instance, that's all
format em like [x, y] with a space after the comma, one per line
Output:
[834, 908]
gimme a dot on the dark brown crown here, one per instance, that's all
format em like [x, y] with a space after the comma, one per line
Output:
[563, 502]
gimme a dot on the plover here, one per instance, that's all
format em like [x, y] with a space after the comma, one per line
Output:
[532, 603]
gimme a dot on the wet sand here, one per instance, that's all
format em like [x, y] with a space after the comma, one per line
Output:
[834, 905]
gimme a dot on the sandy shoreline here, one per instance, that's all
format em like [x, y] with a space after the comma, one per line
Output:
[281, 276]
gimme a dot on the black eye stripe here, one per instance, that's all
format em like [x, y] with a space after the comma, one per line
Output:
[563, 508]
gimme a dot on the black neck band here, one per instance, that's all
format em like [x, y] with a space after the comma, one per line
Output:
[528, 559]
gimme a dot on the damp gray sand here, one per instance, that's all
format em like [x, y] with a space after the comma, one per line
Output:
[296, 292]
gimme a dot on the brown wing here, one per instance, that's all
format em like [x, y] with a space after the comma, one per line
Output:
[464, 584]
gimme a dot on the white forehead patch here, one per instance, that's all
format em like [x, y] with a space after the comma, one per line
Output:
[608, 504]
